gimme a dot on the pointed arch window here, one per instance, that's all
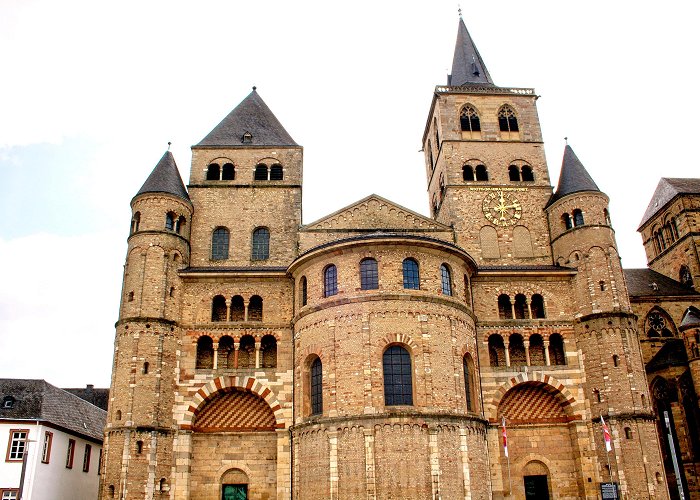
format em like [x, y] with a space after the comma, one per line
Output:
[446, 279]
[261, 244]
[369, 274]
[469, 119]
[411, 274]
[507, 121]
[213, 172]
[276, 172]
[228, 172]
[398, 382]
[316, 384]
[219, 243]
[330, 281]
[481, 173]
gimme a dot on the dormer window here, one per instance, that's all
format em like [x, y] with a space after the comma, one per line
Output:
[8, 402]
[247, 138]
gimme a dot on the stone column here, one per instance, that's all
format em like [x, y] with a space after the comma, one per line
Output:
[236, 347]
[257, 355]
[245, 311]
[529, 309]
[216, 355]
[507, 350]
[526, 343]
[512, 309]
[228, 309]
[546, 352]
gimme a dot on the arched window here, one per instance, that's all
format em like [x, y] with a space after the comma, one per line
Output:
[130, 297]
[505, 308]
[628, 433]
[467, 173]
[111, 491]
[218, 308]
[520, 306]
[261, 244]
[430, 156]
[330, 281]
[369, 274]
[303, 290]
[497, 351]
[537, 350]
[513, 173]
[685, 277]
[526, 173]
[578, 217]
[411, 274]
[516, 350]
[170, 221]
[276, 172]
[674, 227]
[135, 221]
[446, 279]
[139, 447]
[255, 308]
[228, 172]
[616, 360]
[213, 172]
[606, 216]
[246, 352]
[566, 219]
[469, 119]
[507, 121]
[205, 353]
[219, 244]
[226, 353]
[469, 385]
[237, 308]
[144, 369]
[260, 172]
[180, 224]
[398, 382]
[118, 415]
[316, 392]
[481, 173]
[162, 485]
[537, 306]
[268, 351]
[556, 350]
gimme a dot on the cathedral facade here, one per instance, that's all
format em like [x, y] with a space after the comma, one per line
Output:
[380, 353]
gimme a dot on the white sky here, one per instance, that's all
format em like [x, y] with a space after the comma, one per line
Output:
[91, 92]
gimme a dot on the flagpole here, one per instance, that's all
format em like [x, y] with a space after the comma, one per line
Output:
[608, 447]
[505, 450]
[510, 484]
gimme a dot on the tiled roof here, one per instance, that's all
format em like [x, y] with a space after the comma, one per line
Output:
[165, 178]
[645, 283]
[467, 65]
[666, 190]
[39, 400]
[97, 397]
[573, 177]
[251, 116]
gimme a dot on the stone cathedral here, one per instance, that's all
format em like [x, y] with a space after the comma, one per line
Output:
[376, 353]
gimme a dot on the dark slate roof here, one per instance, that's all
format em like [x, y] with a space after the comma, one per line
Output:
[691, 317]
[671, 354]
[39, 400]
[251, 116]
[165, 178]
[640, 284]
[573, 177]
[666, 190]
[467, 65]
[97, 397]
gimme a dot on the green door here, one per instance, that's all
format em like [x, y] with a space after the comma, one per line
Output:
[234, 492]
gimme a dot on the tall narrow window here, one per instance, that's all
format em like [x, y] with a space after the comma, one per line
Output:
[411, 274]
[398, 383]
[46, 447]
[497, 351]
[228, 172]
[520, 306]
[268, 351]
[219, 243]
[446, 279]
[316, 387]
[437, 133]
[135, 222]
[17, 444]
[261, 244]
[430, 156]
[578, 217]
[469, 119]
[218, 308]
[566, 219]
[467, 173]
[86, 458]
[213, 172]
[468, 367]
[260, 172]
[179, 224]
[537, 306]
[556, 349]
[169, 221]
[276, 172]
[255, 308]
[205, 353]
[505, 309]
[330, 281]
[369, 274]
[303, 290]
[481, 173]
[70, 454]
[507, 121]
[237, 308]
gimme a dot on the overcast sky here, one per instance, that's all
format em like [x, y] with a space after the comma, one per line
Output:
[92, 91]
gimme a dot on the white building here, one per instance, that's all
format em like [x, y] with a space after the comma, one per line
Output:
[62, 434]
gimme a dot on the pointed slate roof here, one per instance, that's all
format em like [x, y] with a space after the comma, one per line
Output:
[666, 190]
[165, 178]
[251, 117]
[691, 317]
[647, 283]
[573, 177]
[467, 65]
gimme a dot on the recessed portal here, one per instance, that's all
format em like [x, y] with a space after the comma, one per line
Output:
[536, 488]
[234, 492]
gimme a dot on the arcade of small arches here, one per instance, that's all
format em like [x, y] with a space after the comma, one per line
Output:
[225, 170]
[236, 352]
[173, 222]
[518, 171]
[665, 235]
[537, 350]
[237, 309]
[521, 307]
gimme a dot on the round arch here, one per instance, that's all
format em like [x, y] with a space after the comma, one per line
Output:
[564, 395]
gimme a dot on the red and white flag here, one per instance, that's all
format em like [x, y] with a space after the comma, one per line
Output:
[606, 434]
[505, 437]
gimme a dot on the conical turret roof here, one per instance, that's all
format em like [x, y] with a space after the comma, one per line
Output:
[573, 177]
[165, 178]
[691, 318]
[251, 123]
[467, 65]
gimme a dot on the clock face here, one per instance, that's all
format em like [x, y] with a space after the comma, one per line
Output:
[501, 208]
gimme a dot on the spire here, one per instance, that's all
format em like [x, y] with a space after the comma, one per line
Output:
[251, 123]
[165, 178]
[467, 65]
[573, 177]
